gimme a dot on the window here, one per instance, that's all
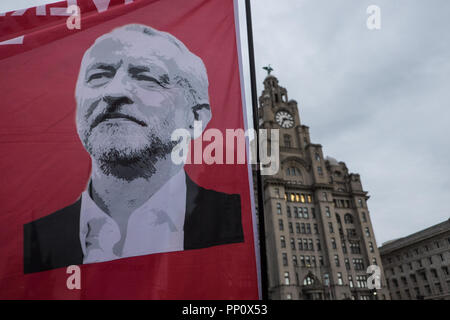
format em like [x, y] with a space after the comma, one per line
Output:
[333, 243]
[326, 279]
[292, 244]
[360, 203]
[280, 224]
[364, 219]
[313, 213]
[324, 196]
[291, 230]
[317, 156]
[294, 260]
[305, 244]
[297, 227]
[344, 246]
[286, 278]
[336, 260]
[361, 281]
[445, 271]
[318, 245]
[413, 278]
[302, 198]
[293, 197]
[296, 212]
[299, 244]
[321, 260]
[303, 228]
[330, 226]
[438, 286]
[308, 228]
[308, 281]
[358, 264]
[350, 281]
[310, 245]
[308, 261]
[297, 197]
[430, 260]
[347, 264]
[371, 247]
[367, 232]
[327, 212]
[428, 289]
[288, 296]
[309, 198]
[283, 242]
[278, 208]
[313, 260]
[434, 273]
[374, 261]
[285, 259]
[305, 213]
[339, 279]
[348, 218]
[319, 171]
[302, 261]
[316, 229]
[288, 211]
[287, 141]
[355, 247]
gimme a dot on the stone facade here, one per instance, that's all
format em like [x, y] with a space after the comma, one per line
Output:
[418, 266]
[319, 237]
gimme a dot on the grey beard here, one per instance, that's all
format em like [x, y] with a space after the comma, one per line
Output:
[138, 164]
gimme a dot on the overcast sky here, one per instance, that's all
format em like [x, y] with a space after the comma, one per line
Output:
[376, 99]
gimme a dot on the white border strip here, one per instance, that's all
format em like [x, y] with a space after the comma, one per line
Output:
[249, 166]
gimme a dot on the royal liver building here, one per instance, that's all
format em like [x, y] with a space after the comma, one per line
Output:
[319, 237]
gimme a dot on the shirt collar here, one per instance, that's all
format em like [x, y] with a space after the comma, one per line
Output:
[170, 199]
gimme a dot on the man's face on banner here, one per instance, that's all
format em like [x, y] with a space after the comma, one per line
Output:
[128, 103]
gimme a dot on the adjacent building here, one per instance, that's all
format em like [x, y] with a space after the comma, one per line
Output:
[318, 231]
[418, 266]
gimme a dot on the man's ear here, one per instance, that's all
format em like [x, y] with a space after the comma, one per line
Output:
[202, 113]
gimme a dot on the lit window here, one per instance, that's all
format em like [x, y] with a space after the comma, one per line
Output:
[292, 197]
[303, 198]
[297, 197]
[309, 198]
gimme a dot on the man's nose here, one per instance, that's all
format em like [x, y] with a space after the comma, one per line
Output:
[117, 92]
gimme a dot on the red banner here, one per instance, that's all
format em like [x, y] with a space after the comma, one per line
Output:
[93, 203]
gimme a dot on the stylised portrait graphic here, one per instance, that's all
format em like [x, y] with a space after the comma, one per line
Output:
[136, 85]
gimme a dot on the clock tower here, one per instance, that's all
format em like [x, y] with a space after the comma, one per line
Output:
[319, 237]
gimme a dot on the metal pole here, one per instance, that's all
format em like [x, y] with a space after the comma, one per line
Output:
[262, 235]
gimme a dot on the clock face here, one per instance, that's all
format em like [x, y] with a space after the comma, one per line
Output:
[284, 119]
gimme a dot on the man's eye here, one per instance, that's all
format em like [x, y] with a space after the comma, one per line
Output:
[98, 77]
[149, 79]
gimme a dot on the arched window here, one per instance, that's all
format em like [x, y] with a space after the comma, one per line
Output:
[287, 140]
[348, 218]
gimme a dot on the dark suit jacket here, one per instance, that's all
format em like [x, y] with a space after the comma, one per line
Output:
[212, 218]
